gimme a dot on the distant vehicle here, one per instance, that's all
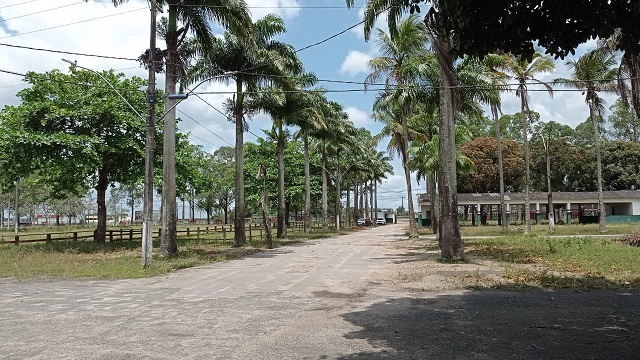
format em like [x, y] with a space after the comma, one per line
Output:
[364, 222]
[381, 221]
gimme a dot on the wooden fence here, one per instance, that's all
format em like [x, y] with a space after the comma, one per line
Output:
[223, 233]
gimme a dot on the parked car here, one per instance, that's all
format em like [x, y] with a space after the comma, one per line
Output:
[364, 222]
[381, 221]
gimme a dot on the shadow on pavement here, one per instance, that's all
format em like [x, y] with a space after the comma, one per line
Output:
[531, 324]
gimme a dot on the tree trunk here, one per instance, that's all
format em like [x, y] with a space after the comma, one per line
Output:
[238, 216]
[307, 187]
[168, 244]
[338, 190]
[325, 175]
[450, 238]
[435, 204]
[355, 201]
[282, 229]
[265, 213]
[413, 227]
[375, 198]
[101, 190]
[550, 212]
[348, 208]
[372, 215]
[596, 137]
[503, 208]
[527, 181]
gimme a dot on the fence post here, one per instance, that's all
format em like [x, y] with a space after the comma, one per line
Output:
[121, 236]
[250, 239]
[110, 235]
[159, 233]
[48, 238]
[16, 240]
[187, 231]
[224, 234]
[131, 234]
[198, 233]
[75, 236]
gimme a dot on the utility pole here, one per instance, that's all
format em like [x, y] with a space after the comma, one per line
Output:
[147, 216]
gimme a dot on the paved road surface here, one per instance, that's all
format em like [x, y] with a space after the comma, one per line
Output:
[325, 299]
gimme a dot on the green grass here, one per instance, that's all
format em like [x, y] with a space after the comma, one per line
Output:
[587, 229]
[581, 262]
[121, 259]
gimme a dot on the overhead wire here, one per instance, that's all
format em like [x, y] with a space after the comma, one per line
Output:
[17, 4]
[74, 23]
[41, 11]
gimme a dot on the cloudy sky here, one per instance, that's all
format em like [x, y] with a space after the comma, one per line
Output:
[98, 28]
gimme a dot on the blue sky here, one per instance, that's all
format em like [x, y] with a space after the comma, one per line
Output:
[99, 28]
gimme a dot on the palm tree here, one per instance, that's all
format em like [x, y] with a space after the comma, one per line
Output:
[524, 71]
[400, 65]
[232, 59]
[311, 122]
[286, 108]
[195, 16]
[452, 245]
[594, 72]
[497, 79]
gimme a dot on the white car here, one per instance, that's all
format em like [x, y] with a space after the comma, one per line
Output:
[381, 221]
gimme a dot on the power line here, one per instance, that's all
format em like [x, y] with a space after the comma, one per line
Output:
[204, 127]
[67, 52]
[16, 4]
[41, 11]
[74, 23]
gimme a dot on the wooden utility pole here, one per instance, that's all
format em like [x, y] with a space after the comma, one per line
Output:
[147, 217]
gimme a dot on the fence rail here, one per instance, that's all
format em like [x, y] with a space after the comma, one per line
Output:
[226, 233]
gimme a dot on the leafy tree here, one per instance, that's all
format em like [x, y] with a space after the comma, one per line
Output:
[594, 72]
[130, 194]
[621, 160]
[625, 124]
[483, 154]
[75, 133]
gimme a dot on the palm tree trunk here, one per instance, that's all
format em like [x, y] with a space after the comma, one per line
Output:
[527, 181]
[355, 200]
[373, 210]
[413, 227]
[435, 204]
[238, 217]
[503, 209]
[450, 238]
[325, 174]
[596, 137]
[348, 208]
[338, 189]
[550, 213]
[307, 187]
[375, 198]
[168, 244]
[282, 228]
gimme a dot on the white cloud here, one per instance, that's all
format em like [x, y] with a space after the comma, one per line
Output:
[287, 9]
[358, 117]
[355, 63]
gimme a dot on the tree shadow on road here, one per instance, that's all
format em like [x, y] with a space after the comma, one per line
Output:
[532, 324]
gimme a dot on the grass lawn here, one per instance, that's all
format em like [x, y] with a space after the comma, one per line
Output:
[587, 229]
[557, 262]
[121, 259]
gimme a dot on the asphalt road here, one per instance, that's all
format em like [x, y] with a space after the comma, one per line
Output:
[325, 299]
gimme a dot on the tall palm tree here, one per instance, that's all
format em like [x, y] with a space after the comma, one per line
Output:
[195, 16]
[452, 245]
[286, 108]
[232, 59]
[497, 80]
[594, 72]
[524, 72]
[311, 121]
[399, 66]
